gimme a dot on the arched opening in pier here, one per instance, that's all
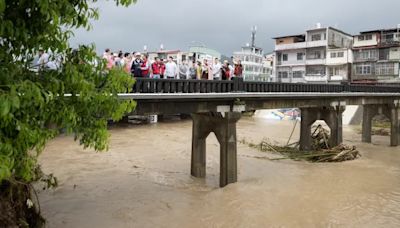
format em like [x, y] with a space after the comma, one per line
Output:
[380, 126]
[321, 134]
[213, 148]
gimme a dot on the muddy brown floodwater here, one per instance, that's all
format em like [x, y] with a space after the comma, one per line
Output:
[144, 181]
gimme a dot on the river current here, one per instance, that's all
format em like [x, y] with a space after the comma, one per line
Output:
[144, 181]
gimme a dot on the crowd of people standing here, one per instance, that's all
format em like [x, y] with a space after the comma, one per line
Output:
[140, 66]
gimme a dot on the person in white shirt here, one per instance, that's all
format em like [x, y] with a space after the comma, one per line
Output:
[232, 71]
[171, 69]
[216, 69]
[183, 70]
[44, 63]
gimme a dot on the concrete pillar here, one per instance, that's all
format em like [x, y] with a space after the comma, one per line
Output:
[225, 131]
[334, 119]
[307, 119]
[395, 126]
[200, 131]
[224, 127]
[369, 111]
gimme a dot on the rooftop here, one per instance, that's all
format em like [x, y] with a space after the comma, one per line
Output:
[289, 36]
[381, 30]
[330, 28]
[164, 52]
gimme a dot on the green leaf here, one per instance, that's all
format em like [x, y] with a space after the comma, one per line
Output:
[4, 107]
[2, 6]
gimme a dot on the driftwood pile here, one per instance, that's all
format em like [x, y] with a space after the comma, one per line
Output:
[321, 153]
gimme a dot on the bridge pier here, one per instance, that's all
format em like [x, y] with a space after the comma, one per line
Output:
[224, 127]
[333, 118]
[391, 111]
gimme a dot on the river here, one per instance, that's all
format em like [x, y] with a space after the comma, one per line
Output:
[144, 181]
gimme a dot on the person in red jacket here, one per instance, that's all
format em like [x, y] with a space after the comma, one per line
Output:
[238, 72]
[156, 68]
[145, 67]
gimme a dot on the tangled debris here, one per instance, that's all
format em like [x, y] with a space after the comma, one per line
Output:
[321, 153]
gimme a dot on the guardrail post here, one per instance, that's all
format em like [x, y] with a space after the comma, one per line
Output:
[238, 84]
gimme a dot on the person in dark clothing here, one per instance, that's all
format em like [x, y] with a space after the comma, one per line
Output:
[136, 68]
[162, 68]
[225, 71]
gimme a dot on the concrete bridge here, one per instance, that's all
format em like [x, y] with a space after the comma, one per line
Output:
[216, 106]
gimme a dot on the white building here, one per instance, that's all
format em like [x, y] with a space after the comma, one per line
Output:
[252, 60]
[321, 55]
[268, 67]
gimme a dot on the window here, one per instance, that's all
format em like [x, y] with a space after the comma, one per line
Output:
[285, 57]
[365, 37]
[297, 74]
[315, 37]
[316, 70]
[366, 55]
[385, 69]
[340, 54]
[334, 71]
[300, 56]
[318, 54]
[363, 69]
[384, 54]
[283, 74]
[333, 55]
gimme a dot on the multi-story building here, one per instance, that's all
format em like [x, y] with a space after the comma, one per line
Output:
[195, 53]
[251, 58]
[268, 67]
[321, 55]
[376, 56]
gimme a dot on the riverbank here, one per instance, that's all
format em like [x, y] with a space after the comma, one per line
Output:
[144, 181]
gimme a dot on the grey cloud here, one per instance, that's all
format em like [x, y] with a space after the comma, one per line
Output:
[225, 24]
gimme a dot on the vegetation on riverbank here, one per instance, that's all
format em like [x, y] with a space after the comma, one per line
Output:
[33, 108]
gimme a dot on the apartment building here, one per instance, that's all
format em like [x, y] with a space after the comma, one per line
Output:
[320, 55]
[376, 56]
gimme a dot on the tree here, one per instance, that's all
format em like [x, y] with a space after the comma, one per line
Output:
[80, 97]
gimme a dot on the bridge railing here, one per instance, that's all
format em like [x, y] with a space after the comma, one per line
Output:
[148, 85]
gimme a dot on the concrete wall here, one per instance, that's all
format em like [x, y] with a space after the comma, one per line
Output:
[292, 57]
[347, 56]
[394, 53]
[338, 39]
[286, 40]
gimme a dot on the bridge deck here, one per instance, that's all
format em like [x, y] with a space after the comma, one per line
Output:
[240, 95]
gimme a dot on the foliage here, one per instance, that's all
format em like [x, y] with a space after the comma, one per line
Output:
[33, 107]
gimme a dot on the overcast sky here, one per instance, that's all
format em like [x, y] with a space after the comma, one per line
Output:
[225, 25]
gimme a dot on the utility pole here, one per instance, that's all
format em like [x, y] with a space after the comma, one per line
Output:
[253, 36]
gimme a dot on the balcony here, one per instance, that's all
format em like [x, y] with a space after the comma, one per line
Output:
[390, 42]
[371, 59]
[319, 43]
[315, 78]
[292, 46]
[316, 61]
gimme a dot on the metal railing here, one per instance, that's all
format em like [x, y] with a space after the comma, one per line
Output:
[147, 85]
